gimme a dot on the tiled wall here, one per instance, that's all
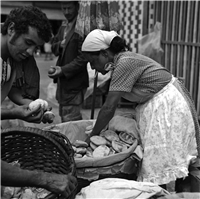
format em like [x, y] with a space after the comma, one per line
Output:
[133, 14]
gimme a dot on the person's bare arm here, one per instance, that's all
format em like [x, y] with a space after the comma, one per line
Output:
[107, 112]
[16, 96]
[17, 177]
[23, 113]
[14, 176]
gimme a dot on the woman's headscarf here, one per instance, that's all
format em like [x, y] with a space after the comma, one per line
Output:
[97, 40]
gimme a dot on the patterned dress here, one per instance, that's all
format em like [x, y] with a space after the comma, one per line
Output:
[164, 117]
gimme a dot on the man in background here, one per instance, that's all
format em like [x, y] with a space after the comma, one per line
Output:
[71, 73]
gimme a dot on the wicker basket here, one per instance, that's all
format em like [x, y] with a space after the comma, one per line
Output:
[36, 149]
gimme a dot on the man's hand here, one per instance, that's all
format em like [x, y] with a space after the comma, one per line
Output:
[60, 184]
[24, 113]
[57, 72]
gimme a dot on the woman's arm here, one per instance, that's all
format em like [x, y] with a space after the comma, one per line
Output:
[57, 183]
[107, 111]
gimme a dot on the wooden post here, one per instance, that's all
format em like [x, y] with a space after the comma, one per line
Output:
[94, 95]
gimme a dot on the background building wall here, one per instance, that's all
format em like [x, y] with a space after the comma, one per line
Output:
[137, 19]
[51, 8]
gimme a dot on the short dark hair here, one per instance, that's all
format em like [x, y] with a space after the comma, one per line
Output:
[26, 16]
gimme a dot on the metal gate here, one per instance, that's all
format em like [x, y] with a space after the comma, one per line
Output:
[181, 41]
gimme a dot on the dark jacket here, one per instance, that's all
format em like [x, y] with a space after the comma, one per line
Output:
[27, 78]
[74, 66]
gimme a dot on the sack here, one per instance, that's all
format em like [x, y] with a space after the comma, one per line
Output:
[91, 168]
[121, 189]
[150, 44]
[51, 91]
[125, 124]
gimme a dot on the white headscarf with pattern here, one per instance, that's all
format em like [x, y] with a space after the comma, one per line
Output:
[98, 40]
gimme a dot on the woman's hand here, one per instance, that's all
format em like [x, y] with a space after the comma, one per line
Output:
[88, 129]
[88, 132]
